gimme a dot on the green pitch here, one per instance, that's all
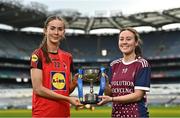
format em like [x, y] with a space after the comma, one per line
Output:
[98, 112]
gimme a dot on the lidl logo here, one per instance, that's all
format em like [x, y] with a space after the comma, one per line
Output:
[58, 81]
[34, 58]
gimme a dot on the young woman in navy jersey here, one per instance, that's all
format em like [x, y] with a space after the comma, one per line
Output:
[51, 69]
[130, 78]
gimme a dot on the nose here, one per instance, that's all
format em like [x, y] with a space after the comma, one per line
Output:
[123, 41]
[56, 31]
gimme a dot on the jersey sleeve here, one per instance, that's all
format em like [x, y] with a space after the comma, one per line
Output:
[142, 80]
[109, 74]
[35, 60]
[71, 64]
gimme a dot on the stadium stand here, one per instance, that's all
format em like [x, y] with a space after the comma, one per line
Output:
[160, 47]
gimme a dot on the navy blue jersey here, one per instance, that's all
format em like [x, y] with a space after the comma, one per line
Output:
[126, 77]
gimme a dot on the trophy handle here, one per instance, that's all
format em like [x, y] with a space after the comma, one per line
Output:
[102, 81]
[80, 85]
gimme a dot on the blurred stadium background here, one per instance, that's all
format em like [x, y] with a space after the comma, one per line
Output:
[160, 47]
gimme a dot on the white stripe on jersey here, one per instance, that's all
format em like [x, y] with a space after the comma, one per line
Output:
[143, 62]
[142, 88]
[115, 61]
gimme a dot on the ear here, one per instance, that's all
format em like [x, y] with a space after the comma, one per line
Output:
[137, 43]
[64, 34]
[44, 31]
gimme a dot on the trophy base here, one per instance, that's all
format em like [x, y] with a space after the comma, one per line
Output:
[91, 99]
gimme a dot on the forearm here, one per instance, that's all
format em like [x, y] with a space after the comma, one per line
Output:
[44, 92]
[133, 97]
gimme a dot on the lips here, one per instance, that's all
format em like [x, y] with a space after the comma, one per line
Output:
[124, 47]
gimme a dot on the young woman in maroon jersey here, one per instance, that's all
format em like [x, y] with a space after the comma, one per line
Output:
[51, 70]
[130, 78]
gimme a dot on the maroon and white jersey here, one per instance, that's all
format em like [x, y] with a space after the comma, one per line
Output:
[126, 77]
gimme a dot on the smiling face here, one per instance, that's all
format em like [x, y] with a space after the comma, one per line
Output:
[127, 42]
[54, 31]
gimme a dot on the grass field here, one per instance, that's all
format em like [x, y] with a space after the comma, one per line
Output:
[98, 112]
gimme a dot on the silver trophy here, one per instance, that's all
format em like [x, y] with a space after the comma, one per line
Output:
[91, 76]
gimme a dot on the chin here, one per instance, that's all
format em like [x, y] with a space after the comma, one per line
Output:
[55, 42]
[127, 53]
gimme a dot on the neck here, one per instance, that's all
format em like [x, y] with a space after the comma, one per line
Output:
[52, 47]
[129, 58]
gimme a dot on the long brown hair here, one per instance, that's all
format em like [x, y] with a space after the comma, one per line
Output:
[138, 50]
[43, 44]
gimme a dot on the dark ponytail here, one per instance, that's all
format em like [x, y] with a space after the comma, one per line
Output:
[138, 51]
[43, 46]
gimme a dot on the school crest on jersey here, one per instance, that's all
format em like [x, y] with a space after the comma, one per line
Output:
[124, 70]
[58, 81]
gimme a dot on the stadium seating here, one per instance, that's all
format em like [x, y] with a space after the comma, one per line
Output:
[155, 44]
[16, 48]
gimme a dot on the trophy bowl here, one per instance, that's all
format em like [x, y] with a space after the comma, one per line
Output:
[90, 76]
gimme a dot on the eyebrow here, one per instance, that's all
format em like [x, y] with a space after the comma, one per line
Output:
[55, 26]
[126, 36]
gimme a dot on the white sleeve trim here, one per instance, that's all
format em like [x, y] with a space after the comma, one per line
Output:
[142, 88]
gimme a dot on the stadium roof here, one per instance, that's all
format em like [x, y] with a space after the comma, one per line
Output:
[18, 16]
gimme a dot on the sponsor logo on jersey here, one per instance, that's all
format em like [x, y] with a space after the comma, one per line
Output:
[34, 58]
[58, 81]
